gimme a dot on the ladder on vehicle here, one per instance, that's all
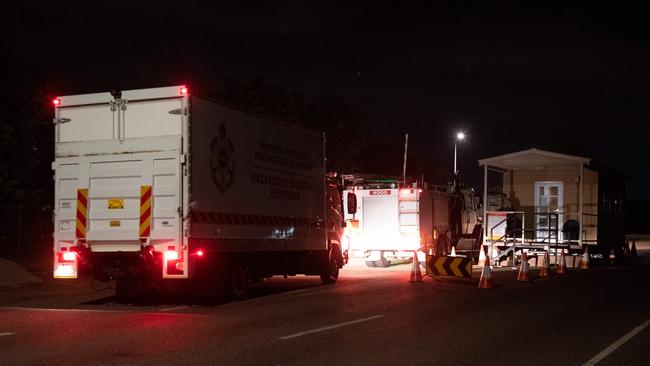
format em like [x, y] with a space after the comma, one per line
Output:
[408, 212]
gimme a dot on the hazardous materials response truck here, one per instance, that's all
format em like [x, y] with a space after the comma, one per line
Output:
[156, 187]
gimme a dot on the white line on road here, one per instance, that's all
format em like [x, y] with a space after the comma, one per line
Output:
[6, 334]
[174, 308]
[612, 347]
[296, 291]
[295, 335]
[314, 293]
[62, 309]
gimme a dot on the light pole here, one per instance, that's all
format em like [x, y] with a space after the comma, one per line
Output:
[459, 137]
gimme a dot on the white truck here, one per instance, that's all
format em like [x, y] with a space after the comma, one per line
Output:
[155, 187]
[392, 220]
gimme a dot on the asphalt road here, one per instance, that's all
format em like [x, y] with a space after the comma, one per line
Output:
[370, 317]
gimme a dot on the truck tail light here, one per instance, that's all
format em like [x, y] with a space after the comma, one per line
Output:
[184, 90]
[199, 253]
[56, 102]
[66, 256]
[65, 264]
[171, 255]
[63, 270]
[174, 263]
[69, 256]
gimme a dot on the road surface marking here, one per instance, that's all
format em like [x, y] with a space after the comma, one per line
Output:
[174, 308]
[296, 291]
[62, 310]
[314, 293]
[6, 334]
[612, 347]
[295, 335]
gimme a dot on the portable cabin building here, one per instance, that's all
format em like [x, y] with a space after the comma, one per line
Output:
[560, 198]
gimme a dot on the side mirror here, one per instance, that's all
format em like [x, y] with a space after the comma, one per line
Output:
[352, 203]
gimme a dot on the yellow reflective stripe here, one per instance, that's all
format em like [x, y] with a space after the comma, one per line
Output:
[146, 196]
[145, 206]
[82, 213]
[145, 225]
[83, 210]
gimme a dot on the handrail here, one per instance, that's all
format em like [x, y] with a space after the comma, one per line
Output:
[493, 227]
[509, 215]
[549, 235]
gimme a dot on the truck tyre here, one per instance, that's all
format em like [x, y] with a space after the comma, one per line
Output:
[383, 263]
[208, 285]
[334, 264]
[126, 289]
[237, 282]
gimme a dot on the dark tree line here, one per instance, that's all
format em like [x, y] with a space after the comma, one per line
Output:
[26, 138]
[328, 113]
[349, 148]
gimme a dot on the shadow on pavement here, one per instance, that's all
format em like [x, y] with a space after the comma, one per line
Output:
[155, 298]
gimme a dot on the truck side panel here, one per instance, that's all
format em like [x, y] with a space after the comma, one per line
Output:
[255, 185]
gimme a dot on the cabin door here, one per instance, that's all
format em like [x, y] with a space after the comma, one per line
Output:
[548, 211]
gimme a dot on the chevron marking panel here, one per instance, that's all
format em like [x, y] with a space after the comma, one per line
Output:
[449, 266]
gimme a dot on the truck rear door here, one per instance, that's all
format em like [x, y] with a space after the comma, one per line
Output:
[118, 178]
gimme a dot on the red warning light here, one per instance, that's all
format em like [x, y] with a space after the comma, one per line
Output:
[56, 102]
[69, 256]
[184, 90]
[199, 253]
[171, 255]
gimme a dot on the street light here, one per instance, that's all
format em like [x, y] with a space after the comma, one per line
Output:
[460, 136]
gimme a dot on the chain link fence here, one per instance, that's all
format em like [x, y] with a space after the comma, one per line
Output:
[26, 235]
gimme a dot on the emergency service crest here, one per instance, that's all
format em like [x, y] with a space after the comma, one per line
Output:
[222, 161]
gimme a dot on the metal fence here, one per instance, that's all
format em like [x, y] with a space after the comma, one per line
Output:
[26, 233]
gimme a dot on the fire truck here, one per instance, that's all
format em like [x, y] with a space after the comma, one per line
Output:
[393, 219]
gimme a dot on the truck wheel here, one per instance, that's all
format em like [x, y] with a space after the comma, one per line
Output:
[383, 262]
[237, 282]
[334, 264]
[126, 289]
[371, 264]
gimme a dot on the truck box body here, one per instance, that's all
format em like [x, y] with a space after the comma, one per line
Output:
[168, 172]
[255, 179]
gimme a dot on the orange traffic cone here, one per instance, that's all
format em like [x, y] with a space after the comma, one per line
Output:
[544, 271]
[416, 275]
[486, 275]
[584, 263]
[523, 268]
[633, 253]
[561, 266]
[612, 256]
[453, 252]
[481, 256]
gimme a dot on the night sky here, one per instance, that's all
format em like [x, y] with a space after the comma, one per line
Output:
[571, 78]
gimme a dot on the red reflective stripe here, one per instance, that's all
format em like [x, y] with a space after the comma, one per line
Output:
[83, 201]
[81, 217]
[146, 196]
[145, 215]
